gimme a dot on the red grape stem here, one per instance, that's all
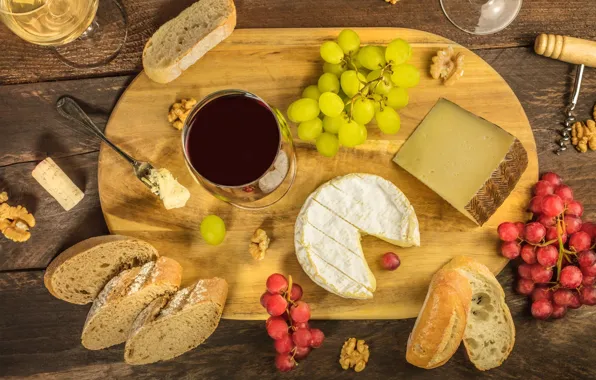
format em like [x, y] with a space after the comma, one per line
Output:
[561, 248]
[545, 244]
[288, 296]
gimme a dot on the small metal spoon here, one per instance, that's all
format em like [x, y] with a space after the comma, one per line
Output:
[69, 108]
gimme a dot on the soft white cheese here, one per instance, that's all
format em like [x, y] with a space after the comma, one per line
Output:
[171, 193]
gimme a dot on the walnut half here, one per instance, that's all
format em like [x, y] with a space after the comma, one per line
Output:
[354, 354]
[179, 112]
[259, 244]
[583, 136]
[15, 222]
[448, 66]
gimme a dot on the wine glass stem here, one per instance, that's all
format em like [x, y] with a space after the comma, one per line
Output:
[91, 30]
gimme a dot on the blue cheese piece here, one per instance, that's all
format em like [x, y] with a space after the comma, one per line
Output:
[170, 191]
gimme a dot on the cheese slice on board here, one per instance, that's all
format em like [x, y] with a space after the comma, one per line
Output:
[471, 163]
[330, 224]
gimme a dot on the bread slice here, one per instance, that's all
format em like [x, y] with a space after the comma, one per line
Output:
[440, 326]
[170, 327]
[113, 312]
[78, 274]
[180, 42]
[490, 332]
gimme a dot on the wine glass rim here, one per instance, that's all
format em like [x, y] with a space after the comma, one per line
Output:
[7, 12]
[493, 31]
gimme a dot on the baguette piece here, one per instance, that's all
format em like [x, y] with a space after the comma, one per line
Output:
[490, 332]
[78, 274]
[113, 312]
[180, 42]
[170, 327]
[440, 326]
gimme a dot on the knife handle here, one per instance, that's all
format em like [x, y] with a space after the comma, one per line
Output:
[566, 49]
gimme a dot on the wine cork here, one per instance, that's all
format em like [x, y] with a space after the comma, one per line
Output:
[566, 49]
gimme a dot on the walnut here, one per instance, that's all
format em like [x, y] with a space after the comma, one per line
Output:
[3, 197]
[259, 244]
[179, 112]
[354, 354]
[15, 222]
[448, 66]
[391, 1]
[583, 135]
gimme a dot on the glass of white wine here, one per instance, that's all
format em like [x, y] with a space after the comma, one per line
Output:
[481, 16]
[83, 33]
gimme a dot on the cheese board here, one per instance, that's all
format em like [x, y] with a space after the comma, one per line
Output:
[277, 65]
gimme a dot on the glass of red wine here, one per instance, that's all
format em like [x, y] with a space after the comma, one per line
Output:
[240, 149]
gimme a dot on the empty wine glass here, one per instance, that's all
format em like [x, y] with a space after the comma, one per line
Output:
[481, 16]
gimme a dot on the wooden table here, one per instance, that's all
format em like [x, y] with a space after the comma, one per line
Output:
[39, 335]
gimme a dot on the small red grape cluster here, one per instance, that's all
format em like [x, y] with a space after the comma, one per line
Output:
[288, 324]
[556, 247]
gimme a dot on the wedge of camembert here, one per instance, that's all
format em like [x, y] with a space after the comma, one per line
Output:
[330, 224]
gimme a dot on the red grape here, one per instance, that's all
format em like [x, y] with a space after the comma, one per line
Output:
[528, 254]
[284, 362]
[587, 295]
[520, 228]
[276, 305]
[284, 344]
[277, 283]
[575, 302]
[565, 193]
[551, 234]
[510, 249]
[296, 292]
[390, 261]
[277, 328]
[508, 231]
[534, 232]
[264, 299]
[535, 205]
[589, 228]
[586, 258]
[317, 338]
[300, 325]
[589, 271]
[588, 280]
[572, 224]
[302, 352]
[580, 241]
[547, 256]
[552, 205]
[525, 271]
[542, 293]
[563, 297]
[553, 178]
[571, 277]
[542, 309]
[302, 337]
[300, 312]
[544, 188]
[547, 221]
[540, 274]
[558, 311]
[574, 208]
[525, 286]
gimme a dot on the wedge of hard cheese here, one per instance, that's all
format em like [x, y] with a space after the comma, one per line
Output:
[471, 163]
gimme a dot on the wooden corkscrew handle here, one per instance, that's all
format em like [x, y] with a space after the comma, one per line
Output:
[566, 49]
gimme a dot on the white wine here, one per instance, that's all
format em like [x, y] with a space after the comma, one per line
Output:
[48, 22]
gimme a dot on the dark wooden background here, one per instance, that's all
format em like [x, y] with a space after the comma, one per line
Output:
[39, 335]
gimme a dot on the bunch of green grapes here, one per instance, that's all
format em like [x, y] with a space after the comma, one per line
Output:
[359, 85]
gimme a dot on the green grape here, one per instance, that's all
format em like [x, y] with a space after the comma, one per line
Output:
[327, 144]
[398, 98]
[355, 61]
[388, 121]
[332, 124]
[352, 134]
[311, 92]
[349, 41]
[213, 229]
[328, 83]
[310, 130]
[331, 104]
[363, 111]
[382, 86]
[351, 82]
[336, 69]
[303, 110]
[405, 75]
[371, 57]
[331, 52]
[398, 51]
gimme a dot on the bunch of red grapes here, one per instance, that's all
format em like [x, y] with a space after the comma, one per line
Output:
[556, 246]
[288, 324]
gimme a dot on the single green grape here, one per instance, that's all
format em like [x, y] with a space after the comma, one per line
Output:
[327, 144]
[355, 61]
[349, 41]
[336, 69]
[311, 92]
[213, 229]
[332, 124]
[352, 134]
[398, 98]
[310, 130]
[383, 85]
[331, 52]
[351, 82]
[331, 104]
[371, 57]
[388, 121]
[328, 83]
[398, 51]
[303, 110]
[363, 111]
[405, 75]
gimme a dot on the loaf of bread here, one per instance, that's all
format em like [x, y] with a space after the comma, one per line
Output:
[78, 274]
[122, 299]
[169, 327]
[180, 42]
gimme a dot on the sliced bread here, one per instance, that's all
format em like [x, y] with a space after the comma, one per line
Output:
[122, 299]
[490, 332]
[170, 327]
[180, 42]
[78, 274]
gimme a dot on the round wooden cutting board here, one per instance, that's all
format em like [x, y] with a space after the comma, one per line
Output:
[277, 64]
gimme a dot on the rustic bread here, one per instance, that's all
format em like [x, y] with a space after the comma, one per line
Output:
[114, 310]
[169, 327]
[490, 332]
[440, 325]
[180, 42]
[78, 274]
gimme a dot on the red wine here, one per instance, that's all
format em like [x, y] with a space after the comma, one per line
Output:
[233, 140]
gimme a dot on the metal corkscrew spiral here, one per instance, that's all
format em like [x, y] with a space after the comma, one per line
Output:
[570, 118]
